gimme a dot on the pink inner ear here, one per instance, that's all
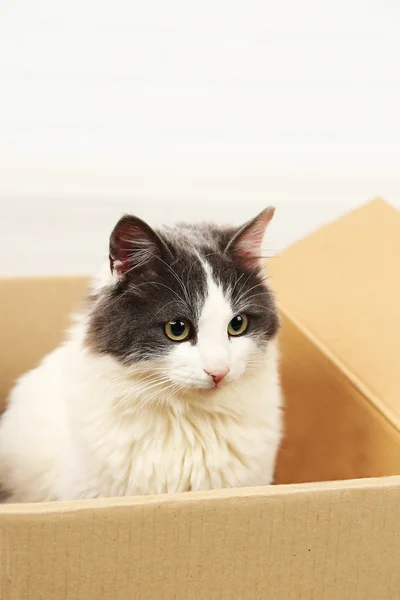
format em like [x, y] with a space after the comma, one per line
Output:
[248, 243]
[123, 239]
[132, 245]
[134, 253]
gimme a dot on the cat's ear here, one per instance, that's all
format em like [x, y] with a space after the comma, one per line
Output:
[246, 243]
[134, 247]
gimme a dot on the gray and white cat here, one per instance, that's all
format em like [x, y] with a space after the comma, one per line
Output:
[169, 381]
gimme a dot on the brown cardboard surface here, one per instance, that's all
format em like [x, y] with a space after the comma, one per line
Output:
[342, 283]
[34, 313]
[311, 542]
[339, 297]
[333, 430]
[337, 540]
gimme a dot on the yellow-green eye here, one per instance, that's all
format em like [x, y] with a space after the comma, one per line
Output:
[177, 330]
[238, 325]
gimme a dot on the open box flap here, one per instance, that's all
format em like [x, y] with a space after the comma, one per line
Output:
[342, 284]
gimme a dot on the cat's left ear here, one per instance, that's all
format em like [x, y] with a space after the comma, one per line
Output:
[134, 247]
[246, 244]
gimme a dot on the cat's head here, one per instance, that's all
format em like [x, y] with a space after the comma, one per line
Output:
[188, 305]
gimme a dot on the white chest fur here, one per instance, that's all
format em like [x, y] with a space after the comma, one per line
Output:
[84, 435]
[228, 439]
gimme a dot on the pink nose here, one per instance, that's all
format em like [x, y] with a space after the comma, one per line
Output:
[218, 375]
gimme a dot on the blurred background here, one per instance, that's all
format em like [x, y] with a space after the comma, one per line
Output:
[185, 110]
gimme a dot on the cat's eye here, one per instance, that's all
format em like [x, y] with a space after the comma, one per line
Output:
[177, 330]
[238, 325]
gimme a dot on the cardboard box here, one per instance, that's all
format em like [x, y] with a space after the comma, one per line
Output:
[339, 539]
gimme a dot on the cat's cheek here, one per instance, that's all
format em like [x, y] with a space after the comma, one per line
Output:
[183, 364]
[243, 349]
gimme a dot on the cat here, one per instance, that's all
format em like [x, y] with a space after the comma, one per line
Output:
[168, 380]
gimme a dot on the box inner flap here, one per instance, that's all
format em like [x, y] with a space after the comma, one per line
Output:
[34, 314]
[343, 284]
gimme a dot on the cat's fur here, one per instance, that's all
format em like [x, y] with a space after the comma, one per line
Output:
[120, 409]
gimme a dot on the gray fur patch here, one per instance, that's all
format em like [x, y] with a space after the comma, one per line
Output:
[128, 318]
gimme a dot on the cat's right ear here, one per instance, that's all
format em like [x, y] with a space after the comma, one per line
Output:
[134, 247]
[247, 242]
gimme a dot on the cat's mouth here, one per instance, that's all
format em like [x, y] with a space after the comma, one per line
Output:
[213, 388]
[194, 391]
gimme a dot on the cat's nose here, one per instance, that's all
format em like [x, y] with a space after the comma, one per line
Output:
[218, 375]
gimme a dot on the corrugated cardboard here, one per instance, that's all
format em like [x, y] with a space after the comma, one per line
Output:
[334, 540]
[339, 292]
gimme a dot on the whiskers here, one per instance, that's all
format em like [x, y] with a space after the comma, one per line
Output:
[243, 293]
[255, 365]
[178, 279]
[146, 387]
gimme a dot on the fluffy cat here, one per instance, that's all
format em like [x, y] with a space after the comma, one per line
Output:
[168, 381]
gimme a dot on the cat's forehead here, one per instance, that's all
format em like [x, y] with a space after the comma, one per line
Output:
[200, 237]
[199, 259]
[200, 250]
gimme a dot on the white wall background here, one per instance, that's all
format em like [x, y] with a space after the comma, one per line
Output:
[183, 109]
